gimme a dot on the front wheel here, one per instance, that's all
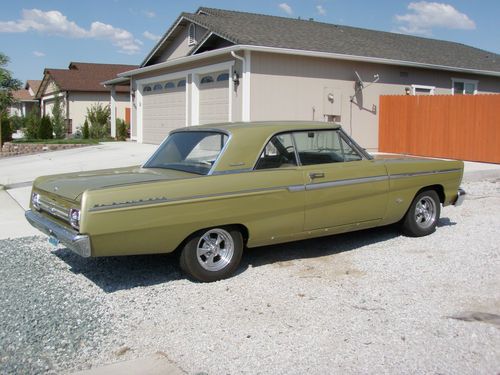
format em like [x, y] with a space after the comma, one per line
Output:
[212, 254]
[423, 215]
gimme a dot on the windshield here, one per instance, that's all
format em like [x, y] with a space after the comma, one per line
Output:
[190, 151]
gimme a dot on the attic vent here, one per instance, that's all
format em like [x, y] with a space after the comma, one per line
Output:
[192, 35]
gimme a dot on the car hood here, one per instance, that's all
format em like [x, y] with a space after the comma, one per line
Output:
[72, 185]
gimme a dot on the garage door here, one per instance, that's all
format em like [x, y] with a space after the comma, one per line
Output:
[214, 98]
[163, 109]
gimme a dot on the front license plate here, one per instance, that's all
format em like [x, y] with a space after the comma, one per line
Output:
[53, 241]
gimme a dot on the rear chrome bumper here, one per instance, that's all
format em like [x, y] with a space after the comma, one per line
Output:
[78, 243]
[460, 197]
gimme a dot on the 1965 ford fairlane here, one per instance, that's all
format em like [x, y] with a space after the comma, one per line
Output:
[211, 190]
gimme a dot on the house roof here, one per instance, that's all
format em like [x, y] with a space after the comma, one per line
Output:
[34, 84]
[22, 95]
[306, 35]
[84, 77]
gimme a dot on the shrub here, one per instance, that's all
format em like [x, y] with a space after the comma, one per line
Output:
[32, 124]
[58, 122]
[17, 122]
[121, 130]
[99, 119]
[6, 129]
[85, 130]
[45, 129]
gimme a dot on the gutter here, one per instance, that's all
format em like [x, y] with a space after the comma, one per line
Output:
[289, 51]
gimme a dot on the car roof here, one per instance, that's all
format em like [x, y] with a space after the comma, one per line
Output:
[247, 140]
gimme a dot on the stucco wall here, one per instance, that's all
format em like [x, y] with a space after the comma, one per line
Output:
[287, 87]
[80, 101]
[179, 45]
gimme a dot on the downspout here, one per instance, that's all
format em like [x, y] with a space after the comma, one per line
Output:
[245, 112]
[67, 113]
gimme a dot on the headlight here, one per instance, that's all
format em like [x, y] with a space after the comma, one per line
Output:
[74, 218]
[35, 201]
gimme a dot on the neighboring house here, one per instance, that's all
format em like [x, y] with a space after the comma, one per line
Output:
[24, 99]
[79, 87]
[217, 65]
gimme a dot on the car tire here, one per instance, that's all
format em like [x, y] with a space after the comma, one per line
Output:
[212, 254]
[423, 215]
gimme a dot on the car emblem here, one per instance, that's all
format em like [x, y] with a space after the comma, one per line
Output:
[56, 188]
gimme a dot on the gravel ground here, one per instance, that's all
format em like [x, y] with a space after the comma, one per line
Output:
[366, 302]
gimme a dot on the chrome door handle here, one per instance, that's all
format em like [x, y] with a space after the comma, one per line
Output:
[314, 175]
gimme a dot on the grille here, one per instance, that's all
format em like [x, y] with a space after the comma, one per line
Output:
[52, 208]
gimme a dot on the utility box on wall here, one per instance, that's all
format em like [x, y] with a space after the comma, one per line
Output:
[332, 102]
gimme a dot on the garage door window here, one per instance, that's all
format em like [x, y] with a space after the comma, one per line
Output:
[169, 85]
[181, 83]
[223, 77]
[207, 79]
[157, 87]
[147, 89]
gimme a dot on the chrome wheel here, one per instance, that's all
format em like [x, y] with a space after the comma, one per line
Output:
[215, 249]
[425, 212]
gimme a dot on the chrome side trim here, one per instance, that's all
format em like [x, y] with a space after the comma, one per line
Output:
[349, 181]
[78, 243]
[406, 175]
[296, 188]
[460, 197]
[103, 207]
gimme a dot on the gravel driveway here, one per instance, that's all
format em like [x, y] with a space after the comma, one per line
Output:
[366, 302]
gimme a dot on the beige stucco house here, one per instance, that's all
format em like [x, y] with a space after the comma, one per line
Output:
[79, 87]
[217, 66]
[24, 99]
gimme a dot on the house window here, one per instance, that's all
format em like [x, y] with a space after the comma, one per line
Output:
[169, 85]
[157, 87]
[223, 77]
[147, 89]
[181, 83]
[463, 86]
[207, 79]
[422, 90]
[192, 35]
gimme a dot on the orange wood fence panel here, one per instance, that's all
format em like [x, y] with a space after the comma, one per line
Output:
[463, 127]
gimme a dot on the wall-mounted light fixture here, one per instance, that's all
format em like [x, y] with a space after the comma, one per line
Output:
[407, 91]
[236, 78]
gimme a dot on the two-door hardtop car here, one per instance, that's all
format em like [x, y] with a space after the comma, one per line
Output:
[211, 190]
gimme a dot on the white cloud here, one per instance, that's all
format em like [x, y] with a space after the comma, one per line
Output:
[146, 34]
[55, 23]
[424, 16]
[38, 53]
[286, 8]
[321, 10]
[149, 13]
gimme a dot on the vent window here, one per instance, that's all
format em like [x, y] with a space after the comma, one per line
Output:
[192, 35]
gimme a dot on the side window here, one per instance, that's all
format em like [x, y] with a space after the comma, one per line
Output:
[278, 153]
[322, 147]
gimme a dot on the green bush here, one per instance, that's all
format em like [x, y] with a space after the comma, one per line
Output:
[99, 116]
[17, 122]
[32, 124]
[86, 130]
[6, 129]
[45, 129]
[121, 130]
[58, 122]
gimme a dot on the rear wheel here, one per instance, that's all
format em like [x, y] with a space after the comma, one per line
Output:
[423, 215]
[212, 254]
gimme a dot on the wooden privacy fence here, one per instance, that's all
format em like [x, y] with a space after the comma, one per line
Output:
[463, 127]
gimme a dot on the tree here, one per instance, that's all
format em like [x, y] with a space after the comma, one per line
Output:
[45, 129]
[99, 117]
[7, 84]
[58, 123]
[85, 130]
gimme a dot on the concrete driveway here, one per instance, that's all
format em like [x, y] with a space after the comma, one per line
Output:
[18, 173]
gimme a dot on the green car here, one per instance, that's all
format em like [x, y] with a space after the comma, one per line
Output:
[210, 191]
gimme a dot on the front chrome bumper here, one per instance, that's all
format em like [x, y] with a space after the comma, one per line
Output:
[78, 243]
[460, 197]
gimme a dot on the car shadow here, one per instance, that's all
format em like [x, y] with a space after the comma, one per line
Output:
[112, 274]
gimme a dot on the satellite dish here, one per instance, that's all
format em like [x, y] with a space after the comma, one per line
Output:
[359, 81]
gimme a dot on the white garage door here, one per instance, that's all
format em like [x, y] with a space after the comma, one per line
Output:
[214, 98]
[163, 109]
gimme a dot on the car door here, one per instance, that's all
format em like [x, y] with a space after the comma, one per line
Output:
[342, 187]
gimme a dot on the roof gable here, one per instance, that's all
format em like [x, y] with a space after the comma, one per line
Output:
[86, 77]
[295, 34]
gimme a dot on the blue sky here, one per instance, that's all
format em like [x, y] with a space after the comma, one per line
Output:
[52, 33]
